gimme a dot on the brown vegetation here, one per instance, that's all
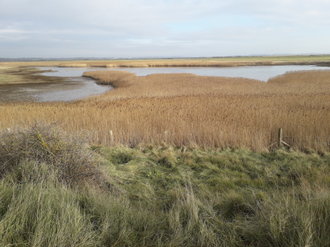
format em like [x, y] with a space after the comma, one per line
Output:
[185, 109]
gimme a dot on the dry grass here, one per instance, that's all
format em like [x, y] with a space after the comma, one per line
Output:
[184, 109]
[114, 78]
[168, 85]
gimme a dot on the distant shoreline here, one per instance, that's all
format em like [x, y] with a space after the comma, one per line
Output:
[319, 60]
[39, 59]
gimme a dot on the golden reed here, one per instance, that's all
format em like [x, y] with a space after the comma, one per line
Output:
[185, 109]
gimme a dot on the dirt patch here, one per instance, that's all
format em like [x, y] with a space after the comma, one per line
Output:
[32, 92]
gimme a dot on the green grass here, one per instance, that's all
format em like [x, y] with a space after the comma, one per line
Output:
[165, 196]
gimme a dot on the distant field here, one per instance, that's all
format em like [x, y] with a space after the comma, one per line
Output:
[190, 110]
[205, 62]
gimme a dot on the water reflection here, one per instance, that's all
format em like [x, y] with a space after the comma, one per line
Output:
[86, 88]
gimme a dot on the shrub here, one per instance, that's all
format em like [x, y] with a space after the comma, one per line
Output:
[46, 150]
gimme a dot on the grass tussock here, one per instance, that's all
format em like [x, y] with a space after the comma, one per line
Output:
[42, 215]
[43, 151]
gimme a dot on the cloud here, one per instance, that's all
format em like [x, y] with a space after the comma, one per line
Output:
[142, 27]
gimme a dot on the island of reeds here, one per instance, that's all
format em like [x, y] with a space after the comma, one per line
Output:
[169, 160]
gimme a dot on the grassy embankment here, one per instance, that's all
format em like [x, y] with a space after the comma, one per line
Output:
[55, 191]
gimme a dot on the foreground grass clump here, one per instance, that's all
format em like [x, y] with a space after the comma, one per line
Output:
[42, 151]
[42, 215]
[158, 195]
[208, 197]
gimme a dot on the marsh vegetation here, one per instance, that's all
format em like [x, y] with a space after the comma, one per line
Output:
[190, 110]
[170, 160]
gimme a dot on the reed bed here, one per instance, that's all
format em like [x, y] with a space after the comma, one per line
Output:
[190, 110]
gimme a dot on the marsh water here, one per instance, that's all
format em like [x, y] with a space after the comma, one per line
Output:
[78, 87]
[262, 73]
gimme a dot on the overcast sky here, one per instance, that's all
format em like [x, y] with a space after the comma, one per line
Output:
[162, 28]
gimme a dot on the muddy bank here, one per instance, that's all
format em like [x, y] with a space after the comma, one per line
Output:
[32, 91]
[28, 84]
[324, 64]
[26, 75]
[23, 83]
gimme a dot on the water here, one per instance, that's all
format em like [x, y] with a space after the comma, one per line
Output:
[262, 73]
[87, 88]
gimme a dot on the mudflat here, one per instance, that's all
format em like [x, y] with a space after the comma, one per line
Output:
[24, 83]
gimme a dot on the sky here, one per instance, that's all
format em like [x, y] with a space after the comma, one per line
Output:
[162, 28]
